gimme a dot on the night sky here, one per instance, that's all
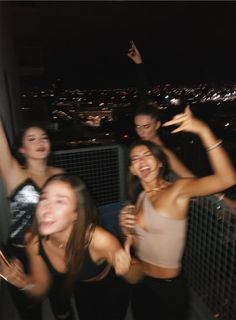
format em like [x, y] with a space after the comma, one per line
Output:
[85, 43]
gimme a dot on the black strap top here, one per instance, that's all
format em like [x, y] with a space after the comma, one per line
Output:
[88, 270]
[23, 203]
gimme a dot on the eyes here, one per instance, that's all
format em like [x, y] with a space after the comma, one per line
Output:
[45, 201]
[32, 139]
[145, 126]
[135, 158]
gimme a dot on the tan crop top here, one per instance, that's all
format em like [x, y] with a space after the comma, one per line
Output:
[162, 244]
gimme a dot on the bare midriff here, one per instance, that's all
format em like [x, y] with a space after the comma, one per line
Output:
[159, 272]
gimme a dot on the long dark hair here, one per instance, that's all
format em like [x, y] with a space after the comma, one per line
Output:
[134, 185]
[19, 142]
[83, 226]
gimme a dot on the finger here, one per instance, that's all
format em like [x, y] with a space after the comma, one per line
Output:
[174, 121]
[187, 110]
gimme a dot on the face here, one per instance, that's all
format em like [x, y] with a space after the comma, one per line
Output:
[56, 210]
[144, 164]
[146, 126]
[35, 144]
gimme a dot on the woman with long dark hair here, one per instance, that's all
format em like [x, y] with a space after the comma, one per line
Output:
[160, 221]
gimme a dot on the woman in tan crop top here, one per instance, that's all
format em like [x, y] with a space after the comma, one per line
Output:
[160, 220]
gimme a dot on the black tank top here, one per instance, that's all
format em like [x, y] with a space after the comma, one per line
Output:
[89, 269]
[23, 202]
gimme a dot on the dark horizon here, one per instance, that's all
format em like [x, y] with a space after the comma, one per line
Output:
[85, 43]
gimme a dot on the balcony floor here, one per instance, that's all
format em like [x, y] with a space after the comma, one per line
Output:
[8, 311]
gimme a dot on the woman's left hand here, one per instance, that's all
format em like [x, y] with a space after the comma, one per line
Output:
[122, 258]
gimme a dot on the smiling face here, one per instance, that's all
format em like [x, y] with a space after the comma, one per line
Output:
[144, 164]
[57, 209]
[146, 126]
[35, 144]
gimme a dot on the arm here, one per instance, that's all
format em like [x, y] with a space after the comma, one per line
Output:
[175, 164]
[35, 283]
[135, 55]
[223, 172]
[10, 170]
[104, 246]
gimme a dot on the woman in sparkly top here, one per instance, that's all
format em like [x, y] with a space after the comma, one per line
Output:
[23, 179]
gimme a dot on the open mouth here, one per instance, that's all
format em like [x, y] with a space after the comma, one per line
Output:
[145, 171]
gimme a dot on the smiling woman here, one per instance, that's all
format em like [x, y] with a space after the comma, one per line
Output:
[66, 244]
[23, 177]
[161, 219]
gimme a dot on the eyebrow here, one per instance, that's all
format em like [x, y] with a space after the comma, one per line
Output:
[57, 195]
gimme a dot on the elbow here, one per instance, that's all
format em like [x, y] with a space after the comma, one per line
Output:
[230, 181]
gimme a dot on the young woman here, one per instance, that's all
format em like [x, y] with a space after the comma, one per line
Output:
[67, 243]
[23, 179]
[161, 219]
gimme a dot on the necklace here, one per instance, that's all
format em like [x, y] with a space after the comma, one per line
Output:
[57, 243]
[153, 189]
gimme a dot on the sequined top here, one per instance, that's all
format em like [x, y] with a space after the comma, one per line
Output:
[23, 203]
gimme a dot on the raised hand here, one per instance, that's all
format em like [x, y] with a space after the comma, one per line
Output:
[134, 54]
[122, 258]
[185, 122]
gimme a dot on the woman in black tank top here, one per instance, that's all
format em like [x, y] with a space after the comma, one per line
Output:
[67, 242]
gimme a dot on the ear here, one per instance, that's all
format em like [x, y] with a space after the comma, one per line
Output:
[21, 150]
[158, 124]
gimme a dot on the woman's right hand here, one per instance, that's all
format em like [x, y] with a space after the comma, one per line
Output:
[127, 219]
[13, 273]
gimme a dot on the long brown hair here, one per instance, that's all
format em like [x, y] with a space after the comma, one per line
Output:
[83, 226]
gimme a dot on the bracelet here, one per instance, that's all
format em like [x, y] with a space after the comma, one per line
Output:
[213, 146]
[28, 286]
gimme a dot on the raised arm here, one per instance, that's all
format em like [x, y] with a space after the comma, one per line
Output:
[9, 167]
[175, 164]
[223, 175]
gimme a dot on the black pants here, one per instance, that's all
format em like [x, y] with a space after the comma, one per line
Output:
[106, 299]
[30, 308]
[160, 299]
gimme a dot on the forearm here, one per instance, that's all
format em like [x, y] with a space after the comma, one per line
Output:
[135, 273]
[218, 158]
[176, 165]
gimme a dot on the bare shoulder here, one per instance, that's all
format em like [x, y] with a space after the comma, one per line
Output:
[32, 242]
[104, 238]
[55, 170]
